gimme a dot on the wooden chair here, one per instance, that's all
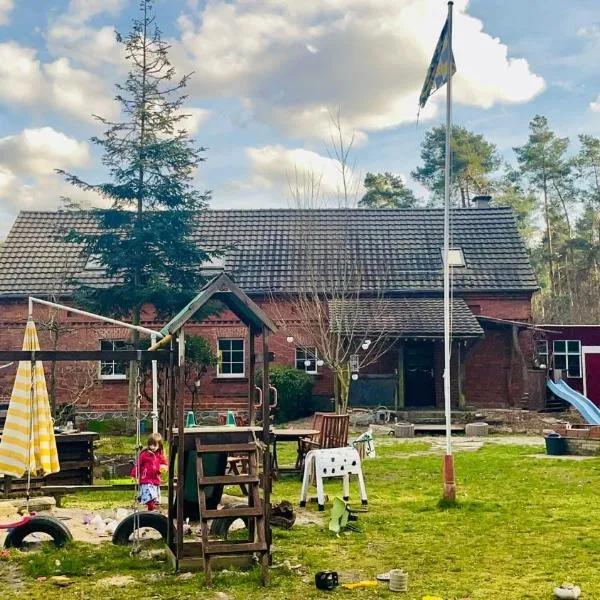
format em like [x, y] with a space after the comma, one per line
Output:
[239, 420]
[236, 465]
[333, 433]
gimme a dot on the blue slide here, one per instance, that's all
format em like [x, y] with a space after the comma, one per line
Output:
[589, 411]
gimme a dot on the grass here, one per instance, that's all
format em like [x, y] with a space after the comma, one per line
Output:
[117, 444]
[521, 527]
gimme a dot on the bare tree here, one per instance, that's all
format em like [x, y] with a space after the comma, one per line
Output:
[336, 311]
[74, 381]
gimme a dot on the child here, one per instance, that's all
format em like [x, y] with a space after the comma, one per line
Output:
[150, 463]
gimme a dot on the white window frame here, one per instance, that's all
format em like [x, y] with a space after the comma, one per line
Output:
[306, 352]
[111, 376]
[221, 375]
[453, 259]
[539, 354]
[566, 354]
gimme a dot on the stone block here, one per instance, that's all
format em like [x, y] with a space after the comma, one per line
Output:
[404, 430]
[478, 429]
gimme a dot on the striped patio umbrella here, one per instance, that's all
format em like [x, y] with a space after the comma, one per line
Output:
[28, 442]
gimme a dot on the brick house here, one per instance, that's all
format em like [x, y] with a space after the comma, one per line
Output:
[401, 255]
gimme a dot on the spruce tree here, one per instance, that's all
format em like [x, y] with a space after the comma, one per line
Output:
[145, 240]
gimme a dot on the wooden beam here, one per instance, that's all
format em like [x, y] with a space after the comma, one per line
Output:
[84, 355]
[251, 373]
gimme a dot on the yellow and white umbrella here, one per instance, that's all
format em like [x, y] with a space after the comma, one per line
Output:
[28, 442]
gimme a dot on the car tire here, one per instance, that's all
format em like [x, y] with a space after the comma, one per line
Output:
[220, 527]
[151, 520]
[51, 526]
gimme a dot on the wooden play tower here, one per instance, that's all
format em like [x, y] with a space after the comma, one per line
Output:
[198, 457]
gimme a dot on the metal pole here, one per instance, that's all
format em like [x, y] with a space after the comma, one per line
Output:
[449, 485]
[92, 316]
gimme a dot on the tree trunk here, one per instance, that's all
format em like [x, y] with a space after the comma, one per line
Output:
[549, 236]
[133, 366]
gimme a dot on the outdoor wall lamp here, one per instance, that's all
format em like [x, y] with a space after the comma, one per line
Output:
[290, 339]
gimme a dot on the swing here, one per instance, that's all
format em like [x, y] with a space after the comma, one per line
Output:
[32, 523]
[132, 524]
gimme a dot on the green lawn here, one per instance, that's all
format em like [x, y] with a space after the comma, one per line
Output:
[523, 526]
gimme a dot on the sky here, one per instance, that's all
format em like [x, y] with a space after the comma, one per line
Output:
[268, 74]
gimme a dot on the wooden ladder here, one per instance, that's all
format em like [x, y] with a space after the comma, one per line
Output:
[253, 514]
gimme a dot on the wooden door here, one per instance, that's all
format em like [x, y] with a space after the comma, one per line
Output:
[419, 374]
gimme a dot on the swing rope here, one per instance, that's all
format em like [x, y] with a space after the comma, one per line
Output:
[136, 547]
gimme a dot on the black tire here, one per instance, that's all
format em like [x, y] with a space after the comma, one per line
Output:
[220, 527]
[127, 526]
[51, 526]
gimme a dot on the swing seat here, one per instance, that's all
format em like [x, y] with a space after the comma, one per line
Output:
[23, 521]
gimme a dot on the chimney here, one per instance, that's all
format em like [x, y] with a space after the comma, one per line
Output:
[481, 201]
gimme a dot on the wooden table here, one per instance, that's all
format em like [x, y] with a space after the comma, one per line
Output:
[289, 435]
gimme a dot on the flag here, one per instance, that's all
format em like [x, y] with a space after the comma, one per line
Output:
[441, 64]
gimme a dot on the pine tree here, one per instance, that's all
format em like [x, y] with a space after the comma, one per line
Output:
[386, 190]
[145, 240]
[474, 160]
[544, 161]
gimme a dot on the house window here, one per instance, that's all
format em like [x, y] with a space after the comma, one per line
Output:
[306, 360]
[230, 361]
[541, 347]
[567, 356]
[113, 369]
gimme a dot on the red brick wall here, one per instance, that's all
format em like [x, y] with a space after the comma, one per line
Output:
[215, 393]
[487, 361]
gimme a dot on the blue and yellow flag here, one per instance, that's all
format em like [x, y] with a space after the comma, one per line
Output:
[442, 67]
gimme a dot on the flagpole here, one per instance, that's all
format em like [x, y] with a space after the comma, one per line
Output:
[449, 484]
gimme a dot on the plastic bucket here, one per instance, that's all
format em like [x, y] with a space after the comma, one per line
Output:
[556, 445]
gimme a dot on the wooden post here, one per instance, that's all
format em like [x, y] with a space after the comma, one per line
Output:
[180, 444]
[461, 377]
[400, 383]
[251, 371]
[169, 412]
[266, 458]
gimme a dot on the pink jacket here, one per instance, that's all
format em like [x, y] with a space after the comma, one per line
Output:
[149, 466]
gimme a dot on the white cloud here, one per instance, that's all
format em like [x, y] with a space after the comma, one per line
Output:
[589, 31]
[88, 46]
[83, 10]
[27, 170]
[194, 119]
[595, 106]
[6, 7]
[70, 35]
[294, 62]
[56, 85]
[281, 171]
[40, 151]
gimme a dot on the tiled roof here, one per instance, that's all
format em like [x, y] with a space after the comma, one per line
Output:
[418, 317]
[269, 250]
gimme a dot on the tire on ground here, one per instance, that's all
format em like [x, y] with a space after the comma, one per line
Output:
[220, 527]
[127, 526]
[51, 526]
